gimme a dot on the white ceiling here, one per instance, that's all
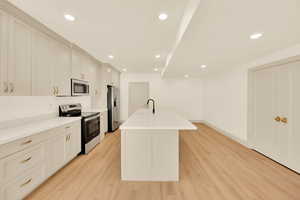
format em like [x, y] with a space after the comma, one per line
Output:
[128, 29]
[216, 35]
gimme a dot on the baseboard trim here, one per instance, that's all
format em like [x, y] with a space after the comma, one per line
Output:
[227, 134]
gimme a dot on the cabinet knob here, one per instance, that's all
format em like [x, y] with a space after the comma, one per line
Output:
[284, 120]
[277, 119]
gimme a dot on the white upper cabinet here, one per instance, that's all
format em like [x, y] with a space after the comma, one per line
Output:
[80, 65]
[19, 67]
[76, 65]
[106, 74]
[115, 78]
[51, 66]
[62, 69]
[3, 54]
[41, 65]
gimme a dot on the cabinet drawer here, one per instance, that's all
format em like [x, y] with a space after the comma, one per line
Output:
[21, 187]
[16, 164]
[21, 144]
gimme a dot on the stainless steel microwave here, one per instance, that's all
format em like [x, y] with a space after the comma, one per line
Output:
[79, 87]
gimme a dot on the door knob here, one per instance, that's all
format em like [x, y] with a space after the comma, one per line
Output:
[277, 119]
[284, 120]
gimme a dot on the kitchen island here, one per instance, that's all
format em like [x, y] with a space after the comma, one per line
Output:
[150, 145]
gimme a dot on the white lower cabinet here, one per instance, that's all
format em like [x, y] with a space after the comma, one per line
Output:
[22, 171]
[54, 154]
[103, 124]
[22, 186]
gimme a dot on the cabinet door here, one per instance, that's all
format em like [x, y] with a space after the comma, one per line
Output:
[41, 65]
[62, 69]
[105, 114]
[3, 54]
[76, 65]
[19, 70]
[115, 78]
[106, 74]
[72, 142]
[54, 154]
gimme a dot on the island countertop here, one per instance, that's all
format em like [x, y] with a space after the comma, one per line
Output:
[163, 119]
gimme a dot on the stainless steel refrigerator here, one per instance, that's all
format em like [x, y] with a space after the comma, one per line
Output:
[113, 108]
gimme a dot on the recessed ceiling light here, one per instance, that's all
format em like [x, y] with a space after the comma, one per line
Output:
[163, 16]
[256, 36]
[157, 56]
[156, 69]
[110, 56]
[203, 66]
[69, 17]
[186, 76]
[124, 70]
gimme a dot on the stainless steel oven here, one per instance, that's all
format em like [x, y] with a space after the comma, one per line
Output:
[79, 87]
[91, 132]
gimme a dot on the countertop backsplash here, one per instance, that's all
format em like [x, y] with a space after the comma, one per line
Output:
[19, 109]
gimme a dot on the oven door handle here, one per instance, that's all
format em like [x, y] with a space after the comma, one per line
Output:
[91, 118]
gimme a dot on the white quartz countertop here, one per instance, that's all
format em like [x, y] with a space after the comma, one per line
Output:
[95, 110]
[163, 119]
[21, 131]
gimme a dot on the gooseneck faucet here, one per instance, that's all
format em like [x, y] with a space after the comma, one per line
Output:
[153, 103]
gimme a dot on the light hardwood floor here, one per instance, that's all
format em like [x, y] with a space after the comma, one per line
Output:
[212, 167]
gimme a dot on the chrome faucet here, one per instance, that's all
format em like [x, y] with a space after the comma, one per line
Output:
[153, 102]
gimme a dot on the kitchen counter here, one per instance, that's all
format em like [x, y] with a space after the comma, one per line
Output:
[31, 128]
[161, 120]
[150, 145]
[95, 110]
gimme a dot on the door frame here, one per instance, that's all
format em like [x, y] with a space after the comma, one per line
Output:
[128, 103]
[250, 94]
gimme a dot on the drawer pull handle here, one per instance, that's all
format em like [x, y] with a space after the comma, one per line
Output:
[26, 160]
[26, 183]
[68, 127]
[27, 142]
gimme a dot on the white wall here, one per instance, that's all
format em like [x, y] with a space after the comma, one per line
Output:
[225, 94]
[182, 95]
[13, 108]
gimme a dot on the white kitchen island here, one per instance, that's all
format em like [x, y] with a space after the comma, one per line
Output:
[150, 145]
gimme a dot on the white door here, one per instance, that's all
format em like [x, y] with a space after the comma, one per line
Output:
[265, 111]
[19, 69]
[284, 101]
[277, 113]
[41, 65]
[294, 118]
[3, 54]
[138, 96]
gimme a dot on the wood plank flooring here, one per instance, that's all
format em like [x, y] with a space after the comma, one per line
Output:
[212, 167]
